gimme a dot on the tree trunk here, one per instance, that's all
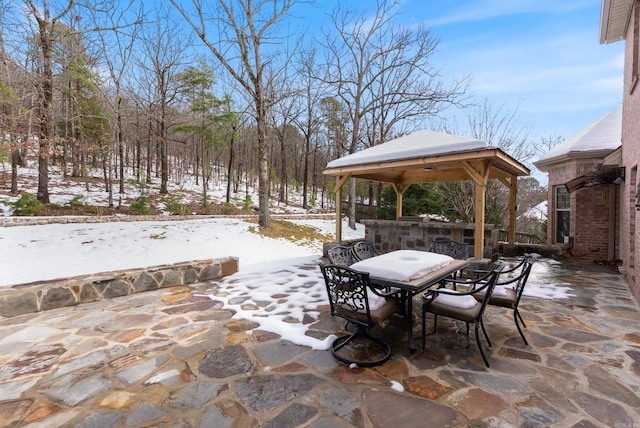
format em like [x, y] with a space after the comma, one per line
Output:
[15, 158]
[229, 168]
[204, 176]
[285, 178]
[44, 141]
[149, 151]
[263, 160]
[164, 162]
[305, 173]
[120, 143]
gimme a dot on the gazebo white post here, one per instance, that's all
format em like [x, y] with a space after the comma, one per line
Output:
[340, 179]
[512, 184]
[479, 174]
[399, 188]
[513, 194]
[478, 245]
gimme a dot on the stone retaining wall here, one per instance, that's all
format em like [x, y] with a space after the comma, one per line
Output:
[58, 293]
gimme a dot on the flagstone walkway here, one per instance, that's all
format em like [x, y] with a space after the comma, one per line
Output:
[175, 358]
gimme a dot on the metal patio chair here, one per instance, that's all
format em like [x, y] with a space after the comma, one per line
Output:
[340, 255]
[350, 299]
[508, 290]
[449, 247]
[363, 250]
[462, 306]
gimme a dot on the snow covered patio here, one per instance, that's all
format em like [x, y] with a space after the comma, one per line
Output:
[224, 352]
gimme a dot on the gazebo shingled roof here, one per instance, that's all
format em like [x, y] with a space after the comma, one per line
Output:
[427, 156]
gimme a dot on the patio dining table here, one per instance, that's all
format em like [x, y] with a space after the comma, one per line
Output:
[410, 271]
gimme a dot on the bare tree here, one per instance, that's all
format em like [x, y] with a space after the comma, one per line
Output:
[501, 129]
[163, 60]
[548, 143]
[13, 132]
[117, 47]
[45, 20]
[244, 27]
[283, 112]
[498, 128]
[308, 121]
[377, 67]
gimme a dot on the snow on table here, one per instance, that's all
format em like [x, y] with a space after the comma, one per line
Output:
[403, 265]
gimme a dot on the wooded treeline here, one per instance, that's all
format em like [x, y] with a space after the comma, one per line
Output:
[239, 91]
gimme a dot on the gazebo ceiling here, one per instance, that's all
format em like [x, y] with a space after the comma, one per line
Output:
[427, 156]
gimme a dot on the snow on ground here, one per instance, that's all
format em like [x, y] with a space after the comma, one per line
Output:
[35, 253]
[267, 267]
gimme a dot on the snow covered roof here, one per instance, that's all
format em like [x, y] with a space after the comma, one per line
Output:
[427, 156]
[415, 145]
[594, 141]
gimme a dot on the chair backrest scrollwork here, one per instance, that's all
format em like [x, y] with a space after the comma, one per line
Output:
[455, 249]
[347, 291]
[340, 255]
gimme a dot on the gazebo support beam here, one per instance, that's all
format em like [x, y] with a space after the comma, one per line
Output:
[479, 172]
[340, 180]
[399, 188]
[512, 184]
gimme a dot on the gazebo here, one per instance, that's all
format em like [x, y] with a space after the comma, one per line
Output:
[429, 157]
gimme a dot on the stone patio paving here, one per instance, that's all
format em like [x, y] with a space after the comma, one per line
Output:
[175, 358]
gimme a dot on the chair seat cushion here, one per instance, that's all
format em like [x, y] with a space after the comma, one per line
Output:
[379, 314]
[464, 308]
[501, 296]
[375, 301]
[458, 301]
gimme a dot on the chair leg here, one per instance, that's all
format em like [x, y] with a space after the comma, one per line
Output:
[486, 336]
[516, 315]
[402, 303]
[344, 340]
[424, 325]
[519, 316]
[486, 362]
[381, 349]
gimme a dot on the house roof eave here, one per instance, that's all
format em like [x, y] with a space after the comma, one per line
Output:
[615, 16]
[547, 164]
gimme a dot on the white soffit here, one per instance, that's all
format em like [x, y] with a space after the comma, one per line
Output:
[416, 145]
[614, 20]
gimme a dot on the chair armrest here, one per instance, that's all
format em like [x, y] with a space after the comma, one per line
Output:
[432, 293]
[467, 282]
[385, 291]
[509, 281]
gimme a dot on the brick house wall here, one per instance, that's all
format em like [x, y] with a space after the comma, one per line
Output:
[590, 210]
[630, 240]
[591, 230]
